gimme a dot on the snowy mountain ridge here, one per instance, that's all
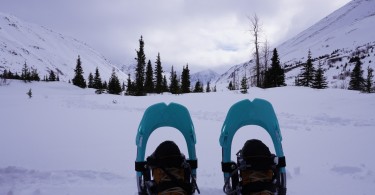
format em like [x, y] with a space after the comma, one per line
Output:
[46, 50]
[333, 41]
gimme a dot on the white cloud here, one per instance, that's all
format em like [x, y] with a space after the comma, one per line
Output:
[206, 33]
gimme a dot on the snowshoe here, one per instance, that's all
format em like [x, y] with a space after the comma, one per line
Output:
[256, 171]
[166, 171]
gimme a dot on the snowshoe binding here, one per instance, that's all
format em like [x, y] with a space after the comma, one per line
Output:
[166, 171]
[257, 171]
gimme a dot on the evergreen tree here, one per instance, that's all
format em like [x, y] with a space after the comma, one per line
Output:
[78, 79]
[130, 86]
[198, 87]
[320, 81]
[97, 80]
[369, 80]
[90, 81]
[356, 77]
[185, 80]
[25, 75]
[208, 88]
[30, 93]
[174, 87]
[307, 76]
[230, 86]
[274, 76]
[244, 85]
[34, 75]
[104, 86]
[149, 83]
[165, 84]
[158, 75]
[51, 76]
[140, 70]
[114, 86]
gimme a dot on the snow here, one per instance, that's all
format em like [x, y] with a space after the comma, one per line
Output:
[67, 140]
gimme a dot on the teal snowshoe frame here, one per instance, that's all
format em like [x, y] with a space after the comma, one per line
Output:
[258, 112]
[163, 115]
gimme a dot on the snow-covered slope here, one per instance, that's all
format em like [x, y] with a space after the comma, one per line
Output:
[334, 40]
[204, 77]
[348, 27]
[45, 50]
[67, 140]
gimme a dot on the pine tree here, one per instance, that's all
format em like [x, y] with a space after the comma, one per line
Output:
[158, 75]
[140, 70]
[51, 76]
[149, 83]
[244, 85]
[320, 81]
[356, 77]
[30, 93]
[208, 88]
[307, 76]
[78, 79]
[274, 76]
[185, 79]
[97, 80]
[369, 80]
[90, 81]
[198, 87]
[104, 86]
[114, 86]
[174, 87]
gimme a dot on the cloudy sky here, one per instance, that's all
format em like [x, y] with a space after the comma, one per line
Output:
[202, 33]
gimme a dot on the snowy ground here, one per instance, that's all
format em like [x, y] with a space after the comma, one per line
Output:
[65, 140]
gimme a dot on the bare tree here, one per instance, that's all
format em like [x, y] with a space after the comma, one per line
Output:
[266, 57]
[255, 31]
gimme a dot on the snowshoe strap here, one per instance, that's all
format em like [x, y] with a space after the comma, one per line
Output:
[193, 164]
[228, 167]
[258, 187]
[170, 161]
[141, 166]
[264, 162]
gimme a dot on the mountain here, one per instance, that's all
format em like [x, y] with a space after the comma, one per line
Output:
[204, 77]
[333, 41]
[44, 49]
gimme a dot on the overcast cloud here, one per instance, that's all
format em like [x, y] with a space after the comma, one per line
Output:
[202, 33]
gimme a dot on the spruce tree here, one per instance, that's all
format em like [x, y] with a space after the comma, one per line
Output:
[230, 86]
[114, 86]
[51, 76]
[244, 85]
[34, 75]
[274, 76]
[185, 80]
[174, 87]
[369, 80]
[158, 75]
[149, 83]
[25, 75]
[208, 88]
[78, 79]
[104, 86]
[320, 81]
[307, 76]
[165, 84]
[198, 87]
[97, 80]
[356, 77]
[140, 70]
[90, 81]
[130, 86]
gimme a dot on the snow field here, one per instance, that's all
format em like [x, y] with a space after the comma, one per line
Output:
[65, 140]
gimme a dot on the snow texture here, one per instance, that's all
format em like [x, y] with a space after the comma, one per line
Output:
[67, 140]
